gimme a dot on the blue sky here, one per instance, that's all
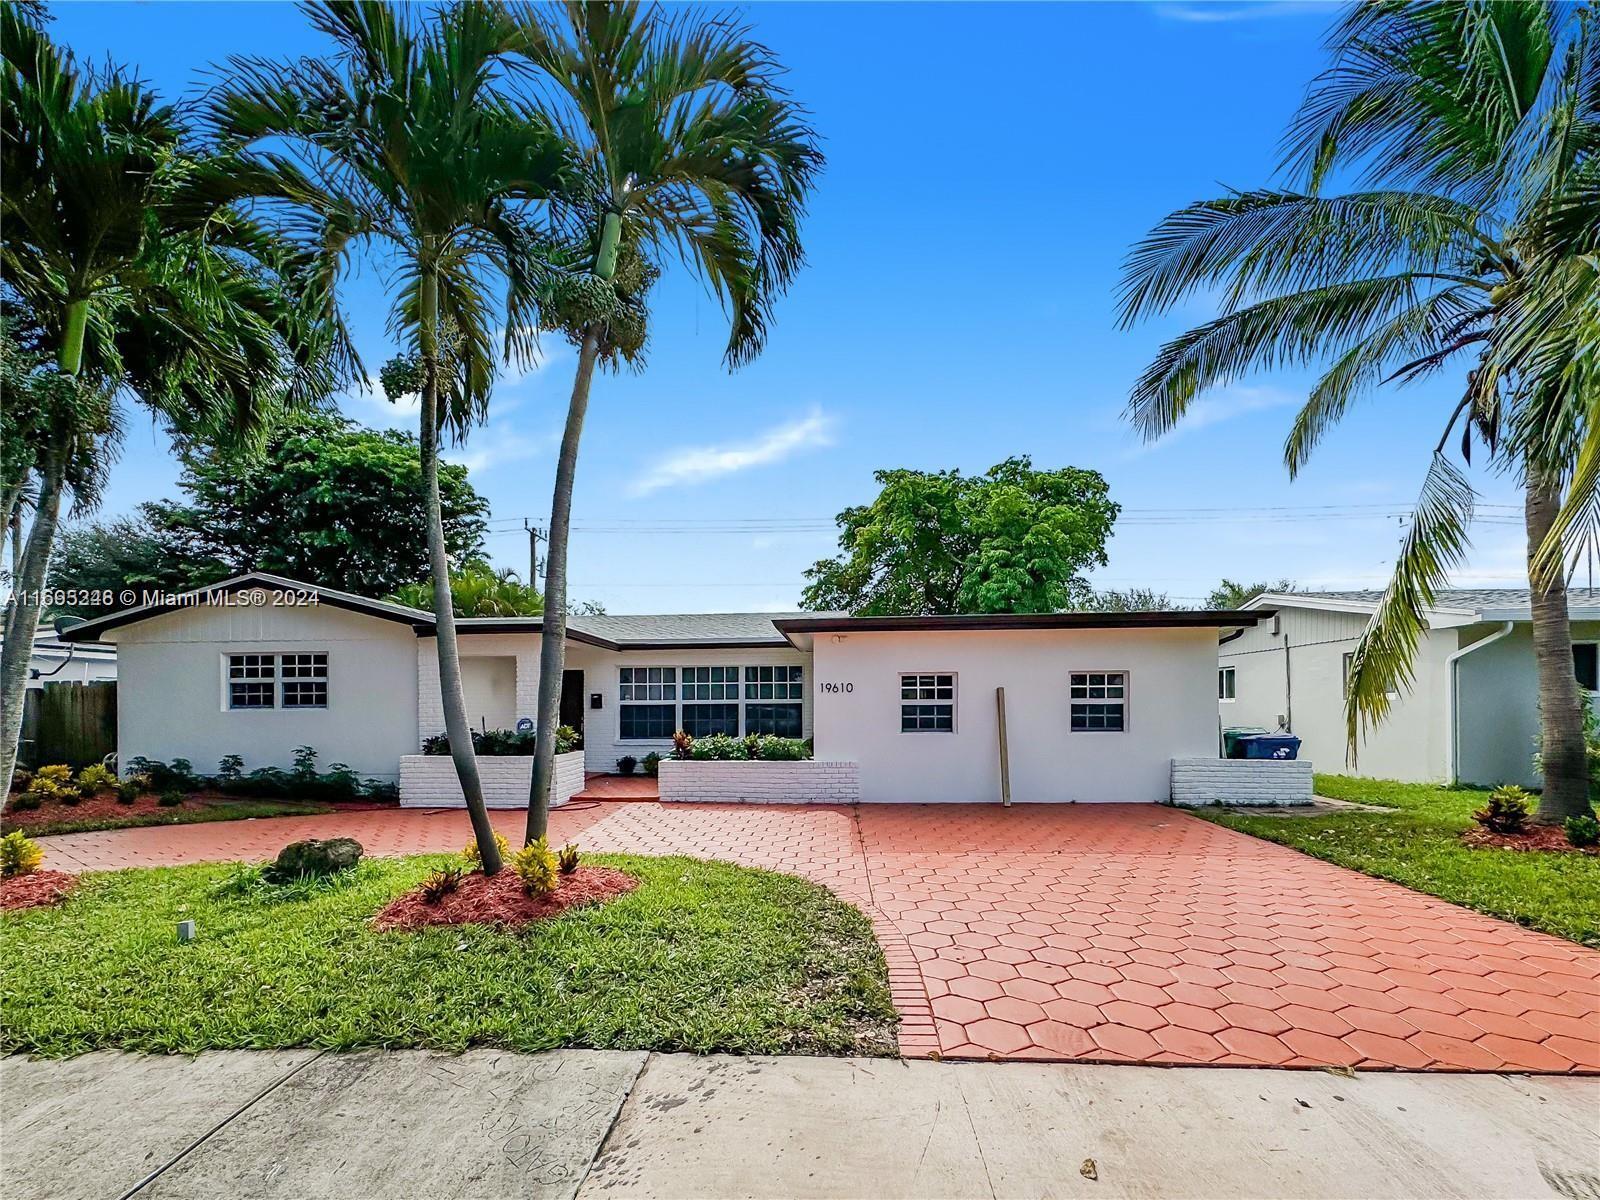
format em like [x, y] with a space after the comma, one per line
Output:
[988, 167]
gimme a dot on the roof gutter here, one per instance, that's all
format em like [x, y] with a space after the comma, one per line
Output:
[1452, 726]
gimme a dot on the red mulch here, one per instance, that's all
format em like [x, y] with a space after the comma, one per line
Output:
[500, 900]
[35, 890]
[106, 807]
[1542, 838]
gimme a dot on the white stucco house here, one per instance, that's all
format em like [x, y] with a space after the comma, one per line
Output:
[1471, 714]
[1098, 705]
[56, 660]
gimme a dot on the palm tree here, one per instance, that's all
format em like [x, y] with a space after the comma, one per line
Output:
[126, 280]
[1433, 106]
[406, 141]
[690, 146]
[479, 590]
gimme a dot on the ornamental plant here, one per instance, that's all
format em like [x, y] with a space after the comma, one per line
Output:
[1507, 810]
[1582, 832]
[567, 860]
[474, 862]
[535, 864]
[96, 778]
[18, 855]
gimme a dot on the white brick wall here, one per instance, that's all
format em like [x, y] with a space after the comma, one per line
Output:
[429, 781]
[1198, 781]
[810, 781]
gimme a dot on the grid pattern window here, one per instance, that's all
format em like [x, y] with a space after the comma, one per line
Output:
[1226, 683]
[780, 720]
[1099, 701]
[927, 703]
[703, 720]
[773, 683]
[647, 721]
[305, 680]
[252, 680]
[710, 683]
[649, 683]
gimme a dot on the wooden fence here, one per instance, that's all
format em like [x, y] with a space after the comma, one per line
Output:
[72, 723]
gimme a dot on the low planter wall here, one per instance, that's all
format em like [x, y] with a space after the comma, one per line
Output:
[429, 781]
[810, 781]
[1197, 781]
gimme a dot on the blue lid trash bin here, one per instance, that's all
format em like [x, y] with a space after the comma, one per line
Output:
[1233, 734]
[1281, 746]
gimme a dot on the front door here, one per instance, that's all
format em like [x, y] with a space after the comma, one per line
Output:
[572, 699]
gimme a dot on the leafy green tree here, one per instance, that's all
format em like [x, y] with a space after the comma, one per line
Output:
[479, 590]
[689, 147]
[1131, 600]
[326, 501]
[413, 142]
[1231, 594]
[116, 257]
[1472, 127]
[1013, 539]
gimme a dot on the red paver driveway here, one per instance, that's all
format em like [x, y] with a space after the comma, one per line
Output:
[1095, 932]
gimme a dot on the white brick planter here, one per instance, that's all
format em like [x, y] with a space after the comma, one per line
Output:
[1197, 781]
[429, 780]
[809, 781]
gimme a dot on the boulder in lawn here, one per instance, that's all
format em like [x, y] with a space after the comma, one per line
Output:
[314, 857]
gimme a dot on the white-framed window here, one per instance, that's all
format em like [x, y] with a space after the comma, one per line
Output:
[710, 683]
[773, 700]
[710, 701]
[1227, 683]
[1346, 661]
[1099, 701]
[293, 680]
[647, 703]
[1586, 663]
[928, 703]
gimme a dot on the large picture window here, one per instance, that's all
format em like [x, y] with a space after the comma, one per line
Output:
[1099, 701]
[780, 720]
[654, 721]
[927, 703]
[702, 720]
[257, 681]
[647, 707]
[656, 702]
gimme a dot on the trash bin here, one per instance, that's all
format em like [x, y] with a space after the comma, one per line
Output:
[1231, 737]
[1270, 745]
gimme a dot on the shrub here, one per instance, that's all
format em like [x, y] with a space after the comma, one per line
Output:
[95, 779]
[170, 798]
[178, 774]
[474, 860]
[568, 739]
[771, 748]
[682, 745]
[626, 764]
[129, 790]
[305, 762]
[441, 883]
[1582, 832]
[504, 743]
[18, 855]
[536, 866]
[230, 769]
[567, 860]
[56, 775]
[718, 747]
[1507, 810]
[652, 764]
[21, 779]
[70, 795]
[28, 801]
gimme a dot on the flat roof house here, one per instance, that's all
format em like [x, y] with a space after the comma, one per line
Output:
[1471, 713]
[1097, 704]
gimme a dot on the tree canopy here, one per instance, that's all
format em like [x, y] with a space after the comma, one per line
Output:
[327, 501]
[1233, 594]
[479, 590]
[1013, 539]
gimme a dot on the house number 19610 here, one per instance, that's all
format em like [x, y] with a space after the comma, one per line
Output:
[837, 688]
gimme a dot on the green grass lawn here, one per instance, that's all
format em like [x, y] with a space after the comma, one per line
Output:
[702, 956]
[1417, 844]
[64, 820]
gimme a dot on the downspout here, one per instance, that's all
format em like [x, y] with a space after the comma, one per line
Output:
[1452, 726]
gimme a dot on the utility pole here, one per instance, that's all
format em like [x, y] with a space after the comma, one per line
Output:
[535, 532]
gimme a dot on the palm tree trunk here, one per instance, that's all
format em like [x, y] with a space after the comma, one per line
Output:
[22, 615]
[444, 619]
[1563, 756]
[553, 633]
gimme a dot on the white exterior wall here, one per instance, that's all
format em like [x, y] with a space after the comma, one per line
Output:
[807, 782]
[1412, 745]
[1197, 781]
[522, 647]
[430, 781]
[1171, 707]
[172, 699]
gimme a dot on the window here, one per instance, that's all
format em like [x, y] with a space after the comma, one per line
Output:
[772, 683]
[1586, 661]
[780, 720]
[1099, 701]
[762, 685]
[305, 680]
[648, 720]
[1225, 683]
[252, 680]
[927, 703]
[711, 683]
[649, 683]
[654, 720]
[702, 720]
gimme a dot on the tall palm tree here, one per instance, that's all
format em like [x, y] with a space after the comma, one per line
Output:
[1432, 106]
[408, 141]
[689, 146]
[132, 283]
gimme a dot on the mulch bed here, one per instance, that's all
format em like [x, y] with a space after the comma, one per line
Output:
[1541, 838]
[500, 900]
[35, 890]
[96, 808]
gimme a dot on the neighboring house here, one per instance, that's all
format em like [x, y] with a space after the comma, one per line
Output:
[1471, 713]
[56, 660]
[1097, 703]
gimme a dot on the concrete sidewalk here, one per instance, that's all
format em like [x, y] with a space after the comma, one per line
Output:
[613, 1124]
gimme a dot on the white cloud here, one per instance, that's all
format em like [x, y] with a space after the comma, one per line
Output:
[698, 464]
[1217, 406]
[1217, 13]
[495, 444]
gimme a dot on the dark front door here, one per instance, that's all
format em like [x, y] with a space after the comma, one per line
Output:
[572, 699]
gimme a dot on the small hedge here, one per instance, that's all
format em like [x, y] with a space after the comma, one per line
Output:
[719, 747]
[303, 781]
[505, 743]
